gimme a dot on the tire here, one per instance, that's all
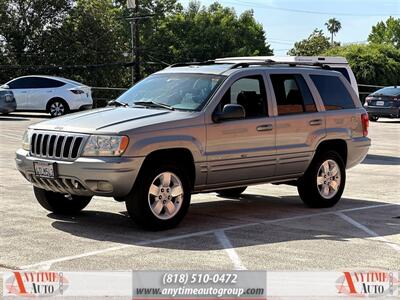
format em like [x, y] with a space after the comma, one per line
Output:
[373, 118]
[57, 108]
[151, 187]
[323, 195]
[60, 203]
[235, 192]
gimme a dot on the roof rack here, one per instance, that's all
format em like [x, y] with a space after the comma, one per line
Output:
[270, 62]
[194, 63]
[247, 63]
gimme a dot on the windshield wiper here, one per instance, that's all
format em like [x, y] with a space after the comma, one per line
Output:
[154, 104]
[117, 103]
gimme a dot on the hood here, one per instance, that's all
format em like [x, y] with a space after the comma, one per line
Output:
[109, 119]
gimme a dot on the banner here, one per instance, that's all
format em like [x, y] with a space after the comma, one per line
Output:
[254, 285]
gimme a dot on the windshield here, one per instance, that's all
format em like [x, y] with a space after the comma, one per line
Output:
[179, 91]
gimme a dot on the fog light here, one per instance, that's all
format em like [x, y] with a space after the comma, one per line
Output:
[104, 186]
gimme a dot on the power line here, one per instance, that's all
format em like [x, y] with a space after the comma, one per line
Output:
[273, 7]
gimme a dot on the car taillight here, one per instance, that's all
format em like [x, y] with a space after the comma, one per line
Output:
[365, 123]
[77, 92]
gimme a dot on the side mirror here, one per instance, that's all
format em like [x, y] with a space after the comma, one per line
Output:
[5, 86]
[230, 112]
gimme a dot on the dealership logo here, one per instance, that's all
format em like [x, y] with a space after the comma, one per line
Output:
[35, 284]
[368, 284]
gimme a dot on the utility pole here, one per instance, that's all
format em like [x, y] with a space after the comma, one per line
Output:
[133, 5]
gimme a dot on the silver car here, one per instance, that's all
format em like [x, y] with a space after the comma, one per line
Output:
[202, 127]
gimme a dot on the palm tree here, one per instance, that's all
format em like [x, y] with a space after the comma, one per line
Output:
[333, 27]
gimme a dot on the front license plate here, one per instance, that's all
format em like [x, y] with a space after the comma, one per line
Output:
[44, 169]
[380, 103]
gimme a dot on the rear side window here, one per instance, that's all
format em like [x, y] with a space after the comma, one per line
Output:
[292, 94]
[48, 83]
[343, 71]
[333, 93]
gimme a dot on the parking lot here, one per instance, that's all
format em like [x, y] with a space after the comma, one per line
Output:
[267, 228]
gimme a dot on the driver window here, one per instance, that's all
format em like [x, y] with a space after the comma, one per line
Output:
[249, 92]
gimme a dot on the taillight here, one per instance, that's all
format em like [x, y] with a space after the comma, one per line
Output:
[77, 92]
[365, 123]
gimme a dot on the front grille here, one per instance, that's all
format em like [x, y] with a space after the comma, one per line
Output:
[54, 145]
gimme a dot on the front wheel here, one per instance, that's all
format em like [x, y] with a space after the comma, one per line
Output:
[160, 198]
[323, 183]
[61, 203]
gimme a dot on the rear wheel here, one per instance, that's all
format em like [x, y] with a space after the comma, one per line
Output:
[323, 183]
[57, 108]
[235, 192]
[61, 203]
[160, 198]
[373, 118]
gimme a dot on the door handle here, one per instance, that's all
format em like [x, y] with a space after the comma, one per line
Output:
[315, 122]
[267, 127]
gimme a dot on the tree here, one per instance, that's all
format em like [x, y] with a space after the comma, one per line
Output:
[375, 64]
[386, 32]
[90, 40]
[315, 44]
[22, 24]
[89, 44]
[333, 27]
[199, 33]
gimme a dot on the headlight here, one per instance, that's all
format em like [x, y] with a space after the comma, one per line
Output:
[26, 140]
[103, 145]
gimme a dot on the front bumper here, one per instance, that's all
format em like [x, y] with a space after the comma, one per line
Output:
[385, 112]
[106, 176]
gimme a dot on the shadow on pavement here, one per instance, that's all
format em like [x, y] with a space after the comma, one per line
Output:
[30, 115]
[373, 159]
[245, 211]
[13, 118]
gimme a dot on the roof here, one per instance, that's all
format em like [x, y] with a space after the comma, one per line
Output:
[288, 59]
[226, 66]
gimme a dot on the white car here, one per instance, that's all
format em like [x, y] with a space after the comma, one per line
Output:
[54, 95]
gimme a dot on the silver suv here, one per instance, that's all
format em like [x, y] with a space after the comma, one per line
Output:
[201, 127]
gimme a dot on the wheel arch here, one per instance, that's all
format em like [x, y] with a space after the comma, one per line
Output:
[338, 145]
[179, 155]
[56, 99]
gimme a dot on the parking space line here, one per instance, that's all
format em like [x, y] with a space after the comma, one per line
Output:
[11, 137]
[48, 263]
[230, 250]
[367, 230]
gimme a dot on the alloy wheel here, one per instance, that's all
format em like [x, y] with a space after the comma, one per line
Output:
[165, 195]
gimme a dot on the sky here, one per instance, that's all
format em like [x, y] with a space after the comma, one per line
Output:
[288, 21]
